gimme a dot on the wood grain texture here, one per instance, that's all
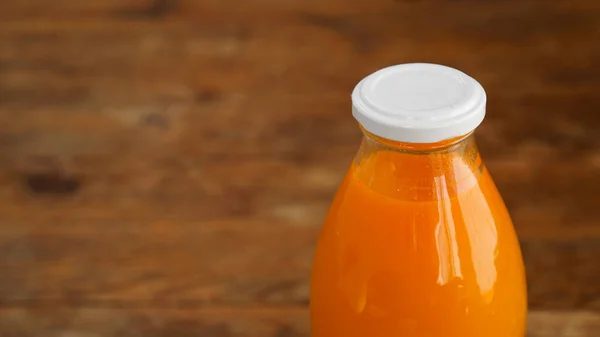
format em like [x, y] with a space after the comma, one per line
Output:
[266, 322]
[147, 149]
[223, 263]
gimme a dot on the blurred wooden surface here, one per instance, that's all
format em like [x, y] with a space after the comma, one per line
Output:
[165, 164]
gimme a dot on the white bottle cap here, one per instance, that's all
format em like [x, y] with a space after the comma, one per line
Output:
[418, 103]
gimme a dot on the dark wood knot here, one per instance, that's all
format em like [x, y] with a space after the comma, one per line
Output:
[52, 183]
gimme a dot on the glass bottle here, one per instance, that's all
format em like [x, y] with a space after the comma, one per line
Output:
[417, 241]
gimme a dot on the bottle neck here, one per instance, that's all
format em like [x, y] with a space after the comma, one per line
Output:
[418, 171]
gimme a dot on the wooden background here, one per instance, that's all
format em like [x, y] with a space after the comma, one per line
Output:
[165, 164]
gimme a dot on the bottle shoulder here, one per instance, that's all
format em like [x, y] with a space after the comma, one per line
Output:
[384, 199]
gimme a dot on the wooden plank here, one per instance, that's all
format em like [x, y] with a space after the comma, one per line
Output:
[156, 263]
[180, 188]
[149, 9]
[562, 275]
[152, 264]
[159, 9]
[558, 324]
[291, 37]
[88, 322]
[99, 180]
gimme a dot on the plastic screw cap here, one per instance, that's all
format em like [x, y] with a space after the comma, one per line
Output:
[419, 103]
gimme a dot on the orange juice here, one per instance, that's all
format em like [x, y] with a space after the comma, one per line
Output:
[418, 243]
